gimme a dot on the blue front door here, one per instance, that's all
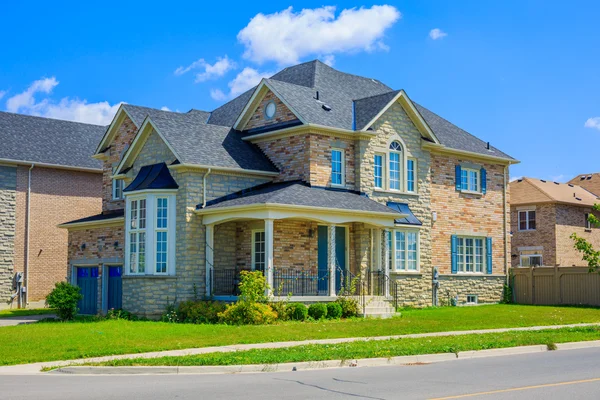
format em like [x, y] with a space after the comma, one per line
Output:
[115, 288]
[340, 254]
[87, 280]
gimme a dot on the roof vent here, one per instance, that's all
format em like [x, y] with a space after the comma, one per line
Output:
[589, 177]
[556, 183]
[317, 95]
[488, 145]
[542, 180]
[577, 198]
[571, 185]
[326, 107]
[519, 180]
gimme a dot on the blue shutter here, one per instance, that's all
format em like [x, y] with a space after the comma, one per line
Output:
[458, 178]
[488, 254]
[483, 176]
[453, 254]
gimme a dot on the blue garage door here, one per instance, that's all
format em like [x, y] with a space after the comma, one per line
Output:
[115, 287]
[87, 280]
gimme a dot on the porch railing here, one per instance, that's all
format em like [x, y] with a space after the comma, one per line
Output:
[290, 282]
[225, 282]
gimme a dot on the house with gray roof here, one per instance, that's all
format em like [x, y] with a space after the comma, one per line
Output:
[46, 177]
[316, 178]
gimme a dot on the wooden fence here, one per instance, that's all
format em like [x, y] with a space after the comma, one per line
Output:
[555, 285]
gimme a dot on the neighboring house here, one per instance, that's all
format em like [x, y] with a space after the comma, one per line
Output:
[544, 215]
[46, 177]
[590, 182]
[312, 177]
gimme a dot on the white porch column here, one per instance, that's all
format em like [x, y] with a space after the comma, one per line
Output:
[386, 261]
[209, 255]
[269, 253]
[332, 257]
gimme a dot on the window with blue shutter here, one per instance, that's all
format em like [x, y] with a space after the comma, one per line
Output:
[458, 178]
[453, 253]
[483, 174]
[488, 253]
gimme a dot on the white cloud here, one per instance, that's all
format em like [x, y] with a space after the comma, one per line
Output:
[2, 93]
[100, 113]
[165, 108]
[558, 178]
[285, 37]
[329, 60]
[593, 123]
[210, 71]
[437, 33]
[245, 80]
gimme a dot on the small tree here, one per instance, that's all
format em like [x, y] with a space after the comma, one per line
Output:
[590, 255]
[253, 287]
[64, 298]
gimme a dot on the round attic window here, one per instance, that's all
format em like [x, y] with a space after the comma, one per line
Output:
[270, 110]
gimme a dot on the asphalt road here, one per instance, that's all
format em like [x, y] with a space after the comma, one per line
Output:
[573, 374]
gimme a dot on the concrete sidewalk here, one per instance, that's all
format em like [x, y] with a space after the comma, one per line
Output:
[35, 368]
[24, 319]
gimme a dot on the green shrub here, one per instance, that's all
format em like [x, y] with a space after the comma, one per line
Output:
[281, 308]
[200, 312]
[246, 313]
[64, 298]
[253, 286]
[349, 306]
[334, 310]
[317, 311]
[507, 294]
[120, 314]
[297, 311]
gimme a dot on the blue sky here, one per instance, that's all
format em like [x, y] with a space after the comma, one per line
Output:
[524, 75]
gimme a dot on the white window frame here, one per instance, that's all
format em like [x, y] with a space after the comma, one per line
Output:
[117, 189]
[529, 256]
[254, 232]
[527, 219]
[461, 268]
[151, 230]
[134, 214]
[474, 297]
[401, 167]
[414, 178]
[342, 167]
[383, 170]
[395, 265]
[469, 188]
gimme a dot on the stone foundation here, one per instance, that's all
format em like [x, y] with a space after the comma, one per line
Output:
[488, 289]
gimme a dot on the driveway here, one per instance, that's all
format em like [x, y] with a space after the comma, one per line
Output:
[25, 319]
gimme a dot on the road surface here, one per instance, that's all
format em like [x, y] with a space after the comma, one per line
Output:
[569, 374]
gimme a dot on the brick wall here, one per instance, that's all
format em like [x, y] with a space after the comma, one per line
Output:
[290, 155]
[320, 159]
[258, 120]
[544, 235]
[8, 198]
[569, 220]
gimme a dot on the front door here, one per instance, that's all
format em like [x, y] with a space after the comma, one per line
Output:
[323, 259]
[115, 287]
[87, 280]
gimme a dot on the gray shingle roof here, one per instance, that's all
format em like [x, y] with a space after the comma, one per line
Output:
[49, 141]
[300, 194]
[366, 109]
[196, 142]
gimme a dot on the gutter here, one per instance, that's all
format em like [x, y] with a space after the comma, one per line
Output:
[27, 230]
[204, 187]
[8, 161]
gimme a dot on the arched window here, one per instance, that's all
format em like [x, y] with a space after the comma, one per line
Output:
[395, 166]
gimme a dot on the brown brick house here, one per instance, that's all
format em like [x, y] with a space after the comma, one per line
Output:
[544, 214]
[590, 182]
[46, 177]
[312, 177]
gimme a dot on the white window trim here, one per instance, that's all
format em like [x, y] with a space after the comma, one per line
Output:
[414, 160]
[254, 232]
[401, 166]
[393, 265]
[343, 169]
[526, 220]
[472, 302]
[150, 196]
[383, 171]
[115, 184]
[484, 255]
[478, 173]
[522, 256]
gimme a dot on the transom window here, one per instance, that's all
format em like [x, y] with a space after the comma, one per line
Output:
[469, 180]
[150, 236]
[337, 167]
[527, 220]
[395, 167]
[470, 254]
[531, 258]
[258, 250]
[404, 250]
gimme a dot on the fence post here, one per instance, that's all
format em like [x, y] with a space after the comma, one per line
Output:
[531, 286]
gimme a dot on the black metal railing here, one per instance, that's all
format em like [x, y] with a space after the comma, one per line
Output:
[225, 282]
[293, 282]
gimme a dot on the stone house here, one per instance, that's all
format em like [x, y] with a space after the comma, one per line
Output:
[313, 176]
[46, 177]
[544, 215]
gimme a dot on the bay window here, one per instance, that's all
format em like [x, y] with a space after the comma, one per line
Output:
[150, 236]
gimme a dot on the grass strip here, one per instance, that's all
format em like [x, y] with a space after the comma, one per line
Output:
[81, 339]
[21, 312]
[372, 348]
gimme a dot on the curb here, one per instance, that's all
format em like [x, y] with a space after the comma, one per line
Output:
[315, 365]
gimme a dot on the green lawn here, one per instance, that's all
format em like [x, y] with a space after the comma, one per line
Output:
[62, 341]
[20, 312]
[372, 349]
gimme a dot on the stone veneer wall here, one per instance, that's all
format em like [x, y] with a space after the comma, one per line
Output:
[569, 220]
[8, 201]
[544, 235]
[487, 288]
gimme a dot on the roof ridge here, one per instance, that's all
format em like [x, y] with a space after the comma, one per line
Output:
[50, 118]
[377, 95]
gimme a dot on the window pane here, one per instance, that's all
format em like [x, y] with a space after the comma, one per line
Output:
[133, 253]
[161, 213]
[133, 213]
[336, 167]
[161, 252]
[460, 252]
[478, 255]
[531, 219]
[259, 251]
[473, 181]
[142, 252]
[395, 171]
[464, 179]
[143, 214]
[378, 171]
[410, 170]
[395, 146]
[468, 255]
[412, 251]
[400, 250]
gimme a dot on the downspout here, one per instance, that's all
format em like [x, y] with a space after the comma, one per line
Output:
[204, 187]
[506, 249]
[27, 219]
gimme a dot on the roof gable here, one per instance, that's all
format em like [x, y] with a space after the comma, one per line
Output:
[531, 191]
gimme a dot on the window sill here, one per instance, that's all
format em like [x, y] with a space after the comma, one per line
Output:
[526, 230]
[396, 192]
[407, 273]
[471, 192]
[149, 277]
